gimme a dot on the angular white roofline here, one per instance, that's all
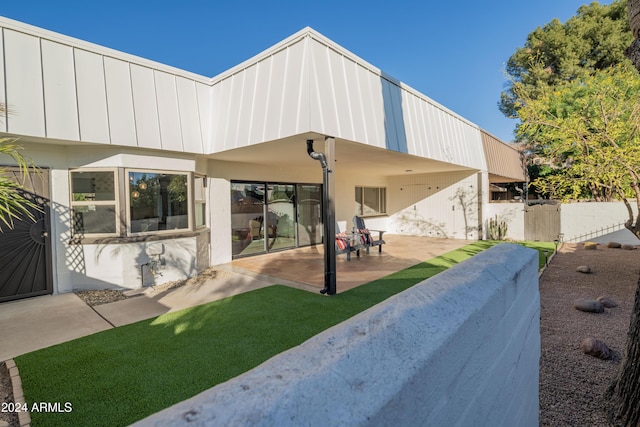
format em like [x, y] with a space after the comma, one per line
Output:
[69, 89]
[315, 35]
[96, 48]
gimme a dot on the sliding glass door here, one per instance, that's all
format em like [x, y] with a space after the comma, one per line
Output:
[247, 218]
[309, 207]
[267, 216]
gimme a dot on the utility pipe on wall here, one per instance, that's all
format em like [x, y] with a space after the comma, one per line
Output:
[328, 221]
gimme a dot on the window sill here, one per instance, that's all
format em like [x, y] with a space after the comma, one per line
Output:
[88, 240]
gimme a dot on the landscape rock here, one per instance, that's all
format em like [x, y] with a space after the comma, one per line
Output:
[613, 245]
[628, 247]
[596, 348]
[607, 302]
[584, 269]
[591, 246]
[588, 305]
[4, 423]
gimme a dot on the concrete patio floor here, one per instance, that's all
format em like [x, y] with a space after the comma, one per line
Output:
[34, 323]
[305, 266]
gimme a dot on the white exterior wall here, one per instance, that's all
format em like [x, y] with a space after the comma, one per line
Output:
[461, 348]
[220, 220]
[512, 214]
[582, 221]
[578, 221]
[62, 88]
[434, 205]
[99, 266]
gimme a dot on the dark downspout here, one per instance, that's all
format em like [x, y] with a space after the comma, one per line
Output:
[327, 220]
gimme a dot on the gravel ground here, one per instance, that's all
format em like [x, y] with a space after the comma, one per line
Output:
[6, 396]
[571, 382]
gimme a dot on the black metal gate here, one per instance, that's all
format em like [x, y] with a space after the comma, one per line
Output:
[25, 250]
[542, 222]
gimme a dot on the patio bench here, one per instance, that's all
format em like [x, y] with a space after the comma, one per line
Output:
[366, 237]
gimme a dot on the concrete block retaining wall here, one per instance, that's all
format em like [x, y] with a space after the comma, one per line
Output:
[461, 348]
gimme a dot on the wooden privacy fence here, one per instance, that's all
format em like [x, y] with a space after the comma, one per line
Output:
[542, 222]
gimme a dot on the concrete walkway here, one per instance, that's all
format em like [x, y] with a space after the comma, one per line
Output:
[34, 323]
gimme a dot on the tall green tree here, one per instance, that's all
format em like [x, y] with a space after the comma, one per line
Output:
[587, 132]
[13, 205]
[592, 40]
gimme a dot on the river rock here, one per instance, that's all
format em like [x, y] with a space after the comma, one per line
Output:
[591, 246]
[613, 245]
[607, 302]
[596, 348]
[584, 269]
[628, 247]
[588, 305]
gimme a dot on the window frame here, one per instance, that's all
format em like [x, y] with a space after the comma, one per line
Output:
[190, 202]
[197, 201]
[115, 202]
[360, 207]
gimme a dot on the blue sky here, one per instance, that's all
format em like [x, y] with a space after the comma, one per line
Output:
[452, 51]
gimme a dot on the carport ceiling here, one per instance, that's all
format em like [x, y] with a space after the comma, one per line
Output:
[292, 152]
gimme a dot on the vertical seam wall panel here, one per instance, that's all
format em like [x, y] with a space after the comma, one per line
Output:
[92, 106]
[179, 111]
[133, 107]
[60, 98]
[120, 102]
[145, 106]
[24, 82]
[189, 119]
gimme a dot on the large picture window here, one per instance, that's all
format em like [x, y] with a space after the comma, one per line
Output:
[94, 202]
[158, 201]
[371, 201]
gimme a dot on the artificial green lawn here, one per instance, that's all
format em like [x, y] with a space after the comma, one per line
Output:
[122, 375]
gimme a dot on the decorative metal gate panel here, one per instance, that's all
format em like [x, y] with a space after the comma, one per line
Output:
[25, 249]
[542, 222]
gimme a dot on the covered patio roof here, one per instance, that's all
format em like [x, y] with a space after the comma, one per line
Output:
[292, 152]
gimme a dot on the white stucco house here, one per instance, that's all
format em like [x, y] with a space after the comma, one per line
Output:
[143, 163]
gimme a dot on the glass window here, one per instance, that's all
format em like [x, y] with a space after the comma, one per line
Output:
[371, 201]
[200, 199]
[94, 202]
[158, 201]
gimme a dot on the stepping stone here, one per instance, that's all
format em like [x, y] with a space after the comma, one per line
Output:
[596, 348]
[584, 269]
[588, 305]
[613, 245]
[591, 246]
[607, 302]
